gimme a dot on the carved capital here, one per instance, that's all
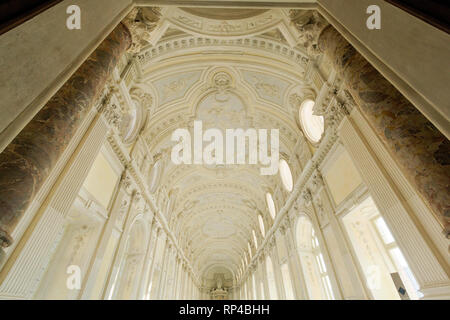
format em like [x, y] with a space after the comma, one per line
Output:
[110, 108]
[309, 25]
[336, 112]
[141, 22]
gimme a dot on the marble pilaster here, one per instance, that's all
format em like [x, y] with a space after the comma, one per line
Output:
[418, 147]
[24, 272]
[28, 160]
[428, 269]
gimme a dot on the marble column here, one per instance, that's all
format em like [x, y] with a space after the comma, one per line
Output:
[418, 147]
[29, 159]
[21, 276]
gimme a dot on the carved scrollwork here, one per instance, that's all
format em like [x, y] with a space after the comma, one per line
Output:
[306, 196]
[144, 98]
[335, 113]
[309, 24]
[317, 181]
[141, 22]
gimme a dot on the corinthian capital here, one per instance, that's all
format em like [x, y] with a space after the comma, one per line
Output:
[141, 22]
[309, 25]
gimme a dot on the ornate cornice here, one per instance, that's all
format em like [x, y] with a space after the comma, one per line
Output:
[148, 54]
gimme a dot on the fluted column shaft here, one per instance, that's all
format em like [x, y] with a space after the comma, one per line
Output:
[417, 146]
[28, 160]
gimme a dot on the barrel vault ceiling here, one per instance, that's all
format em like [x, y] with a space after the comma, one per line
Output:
[230, 69]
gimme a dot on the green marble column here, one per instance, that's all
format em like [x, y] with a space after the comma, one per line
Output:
[28, 160]
[421, 151]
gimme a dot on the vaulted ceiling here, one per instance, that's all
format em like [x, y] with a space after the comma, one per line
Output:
[230, 69]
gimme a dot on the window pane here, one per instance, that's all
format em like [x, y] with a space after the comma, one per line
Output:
[261, 225]
[322, 263]
[286, 175]
[254, 239]
[270, 205]
[384, 230]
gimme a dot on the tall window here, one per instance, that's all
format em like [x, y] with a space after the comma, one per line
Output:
[387, 274]
[405, 273]
[312, 262]
[287, 281]
[261, 288]
[273, 294]
[325, 279]
[255, 296]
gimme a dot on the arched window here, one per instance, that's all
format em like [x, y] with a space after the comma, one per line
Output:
[312, 125]
[287, 281]
[286, 175]
[261, 288]
[255, 296]
[255, 239]
[312, 261]
[270, 205]
[249, 293]
[261, 225]
[126, 284]
[273, 294]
